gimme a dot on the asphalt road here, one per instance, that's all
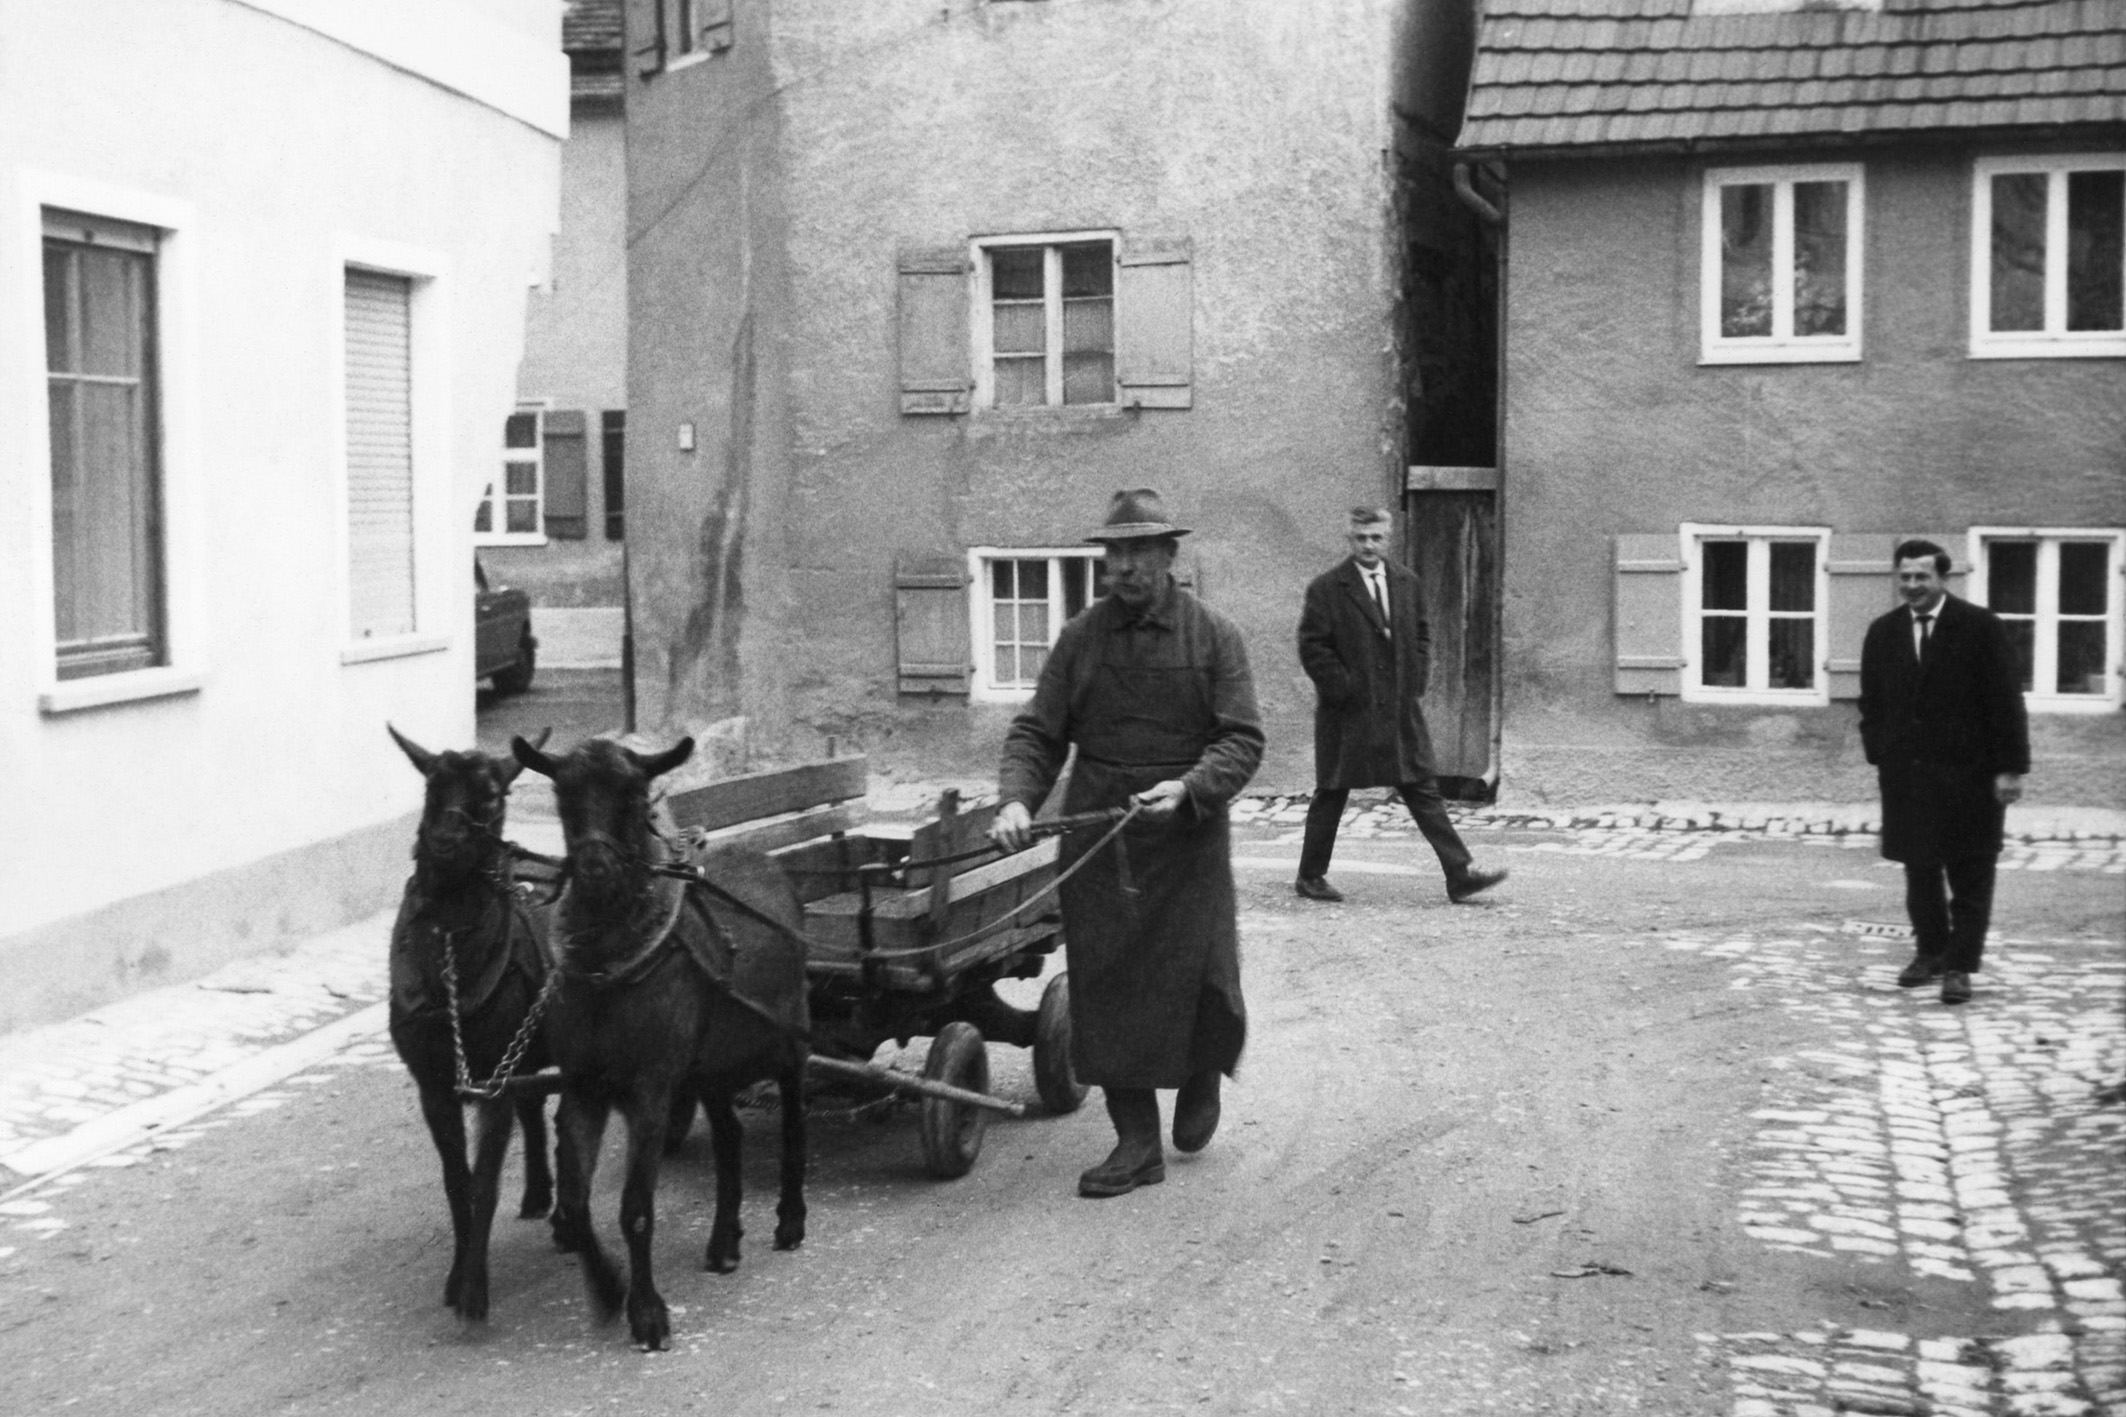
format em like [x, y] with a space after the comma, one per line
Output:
[1635, 1135]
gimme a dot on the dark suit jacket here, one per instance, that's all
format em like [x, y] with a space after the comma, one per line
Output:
[1368, 729]
[1939, 733]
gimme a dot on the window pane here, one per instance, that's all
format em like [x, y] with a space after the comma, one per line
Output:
[1819, 258]
[1088, 326]
[1076, 573]
[1793, 651]
[1033, 580]
[484, 518]
[1722, 649]
[1793, 575]
[2019, 251]
[523, 515]
[1033, 622]
[522, 479]
[2011, 577]
[1001, 579]
[113, 312]
[2096, 212]
[1019, 329]
[1726, 575]
[1745, 261]
[521, 431]
[1031, 659]
[1099, 576]
[58, 272]
[1088, 269]
[1088, 378]
[2022, 642]
[1015, 273]
[1021, 381]
[2082, 575]
[2081, 657]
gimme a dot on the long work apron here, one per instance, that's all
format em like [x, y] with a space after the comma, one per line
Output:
[1154, 958]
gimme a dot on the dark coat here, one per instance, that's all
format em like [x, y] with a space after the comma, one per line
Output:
[1368, 729]
[1154, 955]
[1939, 733]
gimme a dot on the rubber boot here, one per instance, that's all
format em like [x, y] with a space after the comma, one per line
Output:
[1138, 1159]
[1196, 1111]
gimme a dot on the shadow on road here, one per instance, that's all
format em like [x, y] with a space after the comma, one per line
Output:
[575, 703]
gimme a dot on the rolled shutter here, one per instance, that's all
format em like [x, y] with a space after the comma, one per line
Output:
[379, 379]
[1863, 586]
[1154, 322]
[1649, 614]
[933, 331]
[930, 617]
[567, 473]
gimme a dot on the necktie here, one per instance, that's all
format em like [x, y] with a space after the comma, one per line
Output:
[1926, 633]
[1380, 594]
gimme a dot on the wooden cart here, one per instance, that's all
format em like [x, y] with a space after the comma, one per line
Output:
[900, 950]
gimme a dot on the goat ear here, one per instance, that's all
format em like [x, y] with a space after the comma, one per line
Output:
[510, 766]
[657, 765]
[529, 755]
[423, 761]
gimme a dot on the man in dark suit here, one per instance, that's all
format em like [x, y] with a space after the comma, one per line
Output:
[1941, 718]
[1364, 642]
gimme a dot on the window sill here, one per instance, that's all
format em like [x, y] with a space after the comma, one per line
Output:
[1844, 352]
[1758, 698]
[2050, 347]
[2071, 705]
[1054, 413]
[396, 647]
[981, 695]
[103, 690]
[527, 538]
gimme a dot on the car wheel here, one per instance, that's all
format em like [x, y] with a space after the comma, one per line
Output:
[518, 677]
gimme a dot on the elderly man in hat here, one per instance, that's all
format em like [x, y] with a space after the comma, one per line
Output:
[1153, 690]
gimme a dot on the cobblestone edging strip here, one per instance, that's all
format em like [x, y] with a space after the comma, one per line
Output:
[1966, 1145]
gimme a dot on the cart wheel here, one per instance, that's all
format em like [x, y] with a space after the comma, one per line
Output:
[1053, 1076]
[952, 1131]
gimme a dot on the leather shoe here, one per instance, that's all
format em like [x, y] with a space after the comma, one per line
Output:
[1955, 986]
[1924, 969]
[1471, 883]
[1120, 1174]
[1196, 1111]
[1317, 888]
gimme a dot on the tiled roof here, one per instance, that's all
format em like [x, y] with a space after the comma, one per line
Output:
[1567, 74]
[591, 24]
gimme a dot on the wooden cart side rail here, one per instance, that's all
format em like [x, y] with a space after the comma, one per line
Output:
[754, 798]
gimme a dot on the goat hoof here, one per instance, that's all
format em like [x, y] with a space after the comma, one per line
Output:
[472, 1307]
[720, 1264]
[536, 1204]
[789, 1239]
[650, 1324]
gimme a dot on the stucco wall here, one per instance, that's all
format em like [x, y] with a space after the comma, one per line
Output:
[276, 154]
[1613, 427]
[774, 185]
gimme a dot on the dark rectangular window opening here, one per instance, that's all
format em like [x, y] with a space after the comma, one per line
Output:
[613, 445]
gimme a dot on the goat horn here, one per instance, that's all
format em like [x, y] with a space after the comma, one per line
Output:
[422, 760]
[528, 754]
[511, 767]
[657, 765]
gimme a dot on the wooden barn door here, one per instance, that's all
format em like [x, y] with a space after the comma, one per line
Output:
[1451, 542]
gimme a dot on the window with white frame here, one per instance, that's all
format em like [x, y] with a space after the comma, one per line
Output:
[2048, 256]
[2058, 594]
[1781, 264]
[1044, 326]
[512, 505]
[1022, 597]
[1753, 614]
[100, 382]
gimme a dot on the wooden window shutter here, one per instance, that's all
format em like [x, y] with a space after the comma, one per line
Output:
[567, 475]
[1863, 586]
[933, 330]
[379, 379]
[930, 616]
[1154, 322]
[1649, 614]
[716, 24]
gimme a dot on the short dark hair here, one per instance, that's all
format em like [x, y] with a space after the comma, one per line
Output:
[1914, 549]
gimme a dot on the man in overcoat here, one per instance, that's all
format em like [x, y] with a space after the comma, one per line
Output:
[1364, 641]
[1152, 688]
[1942, 720]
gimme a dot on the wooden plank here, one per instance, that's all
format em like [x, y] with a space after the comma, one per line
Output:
[948, 835]
[1451, 479]
[769, 794]
[790, 829]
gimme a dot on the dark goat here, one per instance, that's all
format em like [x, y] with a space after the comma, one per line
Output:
[666, 989]
[461, 904]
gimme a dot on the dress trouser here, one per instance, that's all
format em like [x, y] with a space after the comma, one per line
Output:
[1950, 925]
[1325, 813]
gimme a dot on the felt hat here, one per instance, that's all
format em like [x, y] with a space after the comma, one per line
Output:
[1136, 514]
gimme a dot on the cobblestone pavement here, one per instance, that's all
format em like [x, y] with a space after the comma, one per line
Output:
[1898, 1146]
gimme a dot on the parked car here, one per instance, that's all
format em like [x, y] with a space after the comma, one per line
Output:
[503, 648]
